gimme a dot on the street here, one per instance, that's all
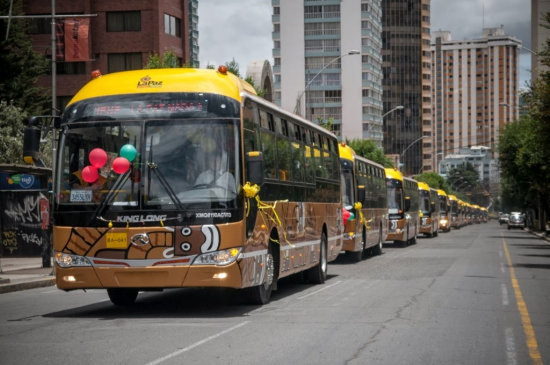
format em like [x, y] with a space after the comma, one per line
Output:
[452, 299]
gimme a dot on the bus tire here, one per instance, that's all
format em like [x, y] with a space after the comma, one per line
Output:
[261, 294]
[122, 297]
[318, 273]
[377, 250]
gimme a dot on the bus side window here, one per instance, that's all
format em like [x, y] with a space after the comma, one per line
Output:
[269, 148]
[251, 138]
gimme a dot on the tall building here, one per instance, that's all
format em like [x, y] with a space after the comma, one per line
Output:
[120, 36]
[475, 90]
[539, 34]
[406, 65]
[327, 63]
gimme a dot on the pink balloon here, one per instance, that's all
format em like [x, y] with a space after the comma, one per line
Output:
[89, 174]
[121, 165]
[98, 157]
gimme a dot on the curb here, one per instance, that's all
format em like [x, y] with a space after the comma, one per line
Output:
[37, 283]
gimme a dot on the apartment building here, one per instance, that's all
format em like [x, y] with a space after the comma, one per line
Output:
[112, 36]
[327, 63]
[406, 64]
[475, 90]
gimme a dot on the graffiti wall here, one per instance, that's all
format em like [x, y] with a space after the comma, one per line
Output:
[24, 215]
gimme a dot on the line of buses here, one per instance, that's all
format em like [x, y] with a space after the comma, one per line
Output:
[170, 178]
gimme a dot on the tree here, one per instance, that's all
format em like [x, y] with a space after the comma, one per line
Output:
[233, 67]
[168, 60]
[434, 180]
[20, 66]
[369, 150]
[11, 133]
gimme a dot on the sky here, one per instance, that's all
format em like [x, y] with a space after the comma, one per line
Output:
[241, 29]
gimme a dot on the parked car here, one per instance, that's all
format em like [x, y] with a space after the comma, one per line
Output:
[503, 218]
[516, 220]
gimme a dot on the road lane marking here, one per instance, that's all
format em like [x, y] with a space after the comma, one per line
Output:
[511, 358]
[320, 290]
[530, 338]
[504, 291]
[190, 347]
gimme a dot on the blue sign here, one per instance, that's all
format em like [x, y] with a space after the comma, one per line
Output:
[18, 181]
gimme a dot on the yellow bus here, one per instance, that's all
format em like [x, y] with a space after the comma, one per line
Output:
[455, 212]
[429, 216]
[364, 196]
[444, 217]
[171, 178]
[402, 208]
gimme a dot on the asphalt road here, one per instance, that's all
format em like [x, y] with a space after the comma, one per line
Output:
[478, 295]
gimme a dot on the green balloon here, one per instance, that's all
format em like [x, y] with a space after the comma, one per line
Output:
[128, 151]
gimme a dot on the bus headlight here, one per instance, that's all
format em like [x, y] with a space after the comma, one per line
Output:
[220, 258]
[443, 222]
[67, 260]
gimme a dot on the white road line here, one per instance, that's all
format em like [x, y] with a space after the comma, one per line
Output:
[320, 290]
[504, 291]
[190, 347]
[502, 267]
[511, 358]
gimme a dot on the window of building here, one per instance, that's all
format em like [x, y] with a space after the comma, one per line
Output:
[124, 61]
[123, 21]
[70, 68]
[172, 25]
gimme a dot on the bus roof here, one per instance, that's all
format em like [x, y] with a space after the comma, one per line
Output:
[423, 186]
[346, 151]
[164, 80]
[441, 192]
[393, 174]
[452, 197]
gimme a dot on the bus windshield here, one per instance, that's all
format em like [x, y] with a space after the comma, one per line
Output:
[395, 196]
[176, 164]
[347, 189]
[424, 201]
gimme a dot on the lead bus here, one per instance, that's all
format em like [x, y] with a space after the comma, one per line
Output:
[172, 178]
[402, 208]
[364, 195]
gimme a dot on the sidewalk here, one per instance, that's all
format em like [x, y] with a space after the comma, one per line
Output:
[20, 273]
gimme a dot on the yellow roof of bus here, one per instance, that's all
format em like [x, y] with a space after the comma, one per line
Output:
[346, 151]
[423, 186]
[393, 174]
[441, 192]
[452, 197]
[164, 81]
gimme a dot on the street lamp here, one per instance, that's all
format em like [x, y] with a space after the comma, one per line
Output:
[399, 107]
[297, 107]
[410, 145]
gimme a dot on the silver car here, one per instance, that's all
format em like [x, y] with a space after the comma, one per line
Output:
[516, 220]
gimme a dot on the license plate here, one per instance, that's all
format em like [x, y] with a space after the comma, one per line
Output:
[117, 240]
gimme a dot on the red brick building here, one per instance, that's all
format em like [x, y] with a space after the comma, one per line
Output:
[122, 34]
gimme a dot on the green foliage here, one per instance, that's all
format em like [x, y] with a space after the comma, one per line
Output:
[434, 180]
[20, 66]
[11, 133]
[168, 60]
[369, 150]
[524, 148]
[259, 92]
[233, 67]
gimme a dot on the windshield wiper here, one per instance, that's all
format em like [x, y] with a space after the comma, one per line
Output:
[110, 196]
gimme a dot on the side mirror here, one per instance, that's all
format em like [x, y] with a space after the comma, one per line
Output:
[255, 167]
[361, 193]
[31, 144]
[407, 203]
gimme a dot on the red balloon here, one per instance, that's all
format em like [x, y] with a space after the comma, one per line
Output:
[345, 215]
[98, 157]
[89, 174]
[121, 165]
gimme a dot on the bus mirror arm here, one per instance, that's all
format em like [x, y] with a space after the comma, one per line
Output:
[255, 167]
[361, 193]
[31, 138]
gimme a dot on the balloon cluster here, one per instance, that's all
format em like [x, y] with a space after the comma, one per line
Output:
[347, 215]
[98, 158]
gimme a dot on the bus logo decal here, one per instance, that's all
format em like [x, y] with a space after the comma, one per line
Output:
[211, 238]
[146, 81]
[140, 239]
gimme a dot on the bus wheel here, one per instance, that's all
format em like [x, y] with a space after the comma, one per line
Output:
[377, 250]
[122, 296]
[318, 273]
[261, 294]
